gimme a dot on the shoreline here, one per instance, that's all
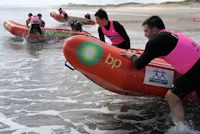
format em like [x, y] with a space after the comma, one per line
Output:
[184, 4]
[177, 16]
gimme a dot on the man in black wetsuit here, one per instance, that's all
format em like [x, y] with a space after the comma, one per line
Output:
[179, 51]
[112, 29]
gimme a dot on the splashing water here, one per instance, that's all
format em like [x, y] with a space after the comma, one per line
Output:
[181, 128]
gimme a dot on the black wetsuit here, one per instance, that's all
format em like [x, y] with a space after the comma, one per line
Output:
[35, 28]
[162, 45]
[120, 29]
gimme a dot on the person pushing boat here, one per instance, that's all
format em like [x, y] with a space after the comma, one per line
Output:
[63, 14]
[112, 29]
[178, 50]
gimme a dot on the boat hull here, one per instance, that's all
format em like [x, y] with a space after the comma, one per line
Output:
[48, 33]
[105, 65]
[59, 18]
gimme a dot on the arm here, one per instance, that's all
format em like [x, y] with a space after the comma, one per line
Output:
[161, 45]
[28, 21]
[101, 35]
[144, 59]
[140, 61]
[120, 29]
[42, 23]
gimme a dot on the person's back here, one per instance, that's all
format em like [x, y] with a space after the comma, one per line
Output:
[112, 29]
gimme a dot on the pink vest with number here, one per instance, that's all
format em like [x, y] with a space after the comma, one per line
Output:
[112, 34]
[184, 55]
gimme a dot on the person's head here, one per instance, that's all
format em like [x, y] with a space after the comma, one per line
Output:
[39, 15]
[87, 16]
[60, 9]
[152, 26]
[30, 14]
[101, 17]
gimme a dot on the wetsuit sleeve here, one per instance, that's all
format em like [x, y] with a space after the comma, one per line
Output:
[161, 45]
[101, 35]
[120, 29]
[43, 24]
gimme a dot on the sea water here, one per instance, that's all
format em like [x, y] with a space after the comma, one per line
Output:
[39, 95]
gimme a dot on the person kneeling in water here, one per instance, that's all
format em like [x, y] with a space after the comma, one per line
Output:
[35, 25]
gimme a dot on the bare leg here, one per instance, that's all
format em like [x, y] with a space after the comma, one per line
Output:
[176, 106]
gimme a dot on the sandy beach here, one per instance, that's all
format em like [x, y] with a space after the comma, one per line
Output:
[178, 16]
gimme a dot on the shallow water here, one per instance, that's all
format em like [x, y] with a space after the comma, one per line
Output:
[39, 95]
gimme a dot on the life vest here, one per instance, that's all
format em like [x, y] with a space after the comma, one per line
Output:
[35, 20]
[62, 13]
[184, 55]
[112, 34]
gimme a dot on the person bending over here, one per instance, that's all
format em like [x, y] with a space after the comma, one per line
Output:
[63, 14]
[112, 29]
[178, 50]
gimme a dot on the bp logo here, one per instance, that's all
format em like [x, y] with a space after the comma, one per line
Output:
[89, 53]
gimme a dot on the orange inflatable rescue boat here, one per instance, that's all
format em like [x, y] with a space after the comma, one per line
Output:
[104, 65]
[21, 30]
[59, 18]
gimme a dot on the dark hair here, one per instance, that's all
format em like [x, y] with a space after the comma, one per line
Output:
[39, 15]
[30, 14]
[154, 21]
[87, 16]
[101, 14]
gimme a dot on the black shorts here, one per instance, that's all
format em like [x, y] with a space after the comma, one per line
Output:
[188, 82]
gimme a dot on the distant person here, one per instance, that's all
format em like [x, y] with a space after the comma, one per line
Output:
[87, 16]
[29, 19]
[112, 29]
[42, 23]
[76, 25]
[178, 50]
[35, 25]
[63, 13]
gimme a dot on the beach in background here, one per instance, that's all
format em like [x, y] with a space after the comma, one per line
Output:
[178, 16]
[39, 95]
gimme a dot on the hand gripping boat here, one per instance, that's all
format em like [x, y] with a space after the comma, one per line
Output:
[48, 33]
[104, 65]
[59, 18]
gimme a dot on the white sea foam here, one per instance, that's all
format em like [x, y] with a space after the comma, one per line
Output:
[181, 129]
